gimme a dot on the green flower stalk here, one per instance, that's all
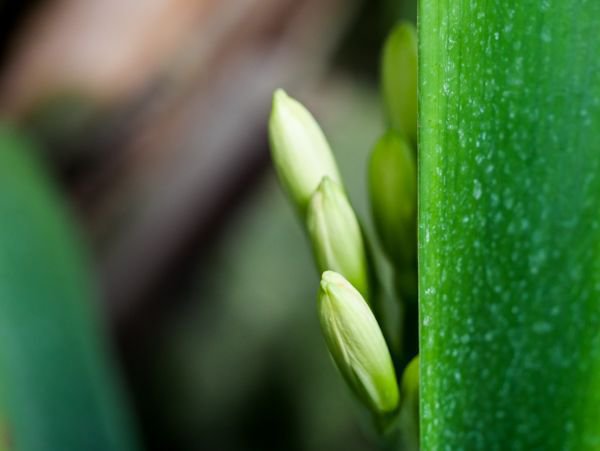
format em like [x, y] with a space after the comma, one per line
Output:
[336, 235]
[299, 149]
[393, 192]
[356, 344]
[399, 80]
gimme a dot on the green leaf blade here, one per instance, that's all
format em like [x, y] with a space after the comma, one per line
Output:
[510, 224]
[58, 390]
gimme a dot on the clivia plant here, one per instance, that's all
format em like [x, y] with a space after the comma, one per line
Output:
[486, 204]
[499, 342]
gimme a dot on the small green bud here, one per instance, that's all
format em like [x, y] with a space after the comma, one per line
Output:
[393, 192]
[299, 149]
[356, 344]
[336, 235]
[409, 409]
[399, 80]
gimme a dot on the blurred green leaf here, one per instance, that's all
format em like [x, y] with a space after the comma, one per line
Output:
[57, 388]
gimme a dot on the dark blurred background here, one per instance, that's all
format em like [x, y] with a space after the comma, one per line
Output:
[152, 118]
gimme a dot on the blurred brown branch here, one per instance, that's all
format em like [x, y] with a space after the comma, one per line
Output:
[180, 91]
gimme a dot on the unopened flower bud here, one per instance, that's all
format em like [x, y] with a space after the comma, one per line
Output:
[409, 408]
[336, 235]
[356, 344]
[299, 149]
[399, 80]
[393, 192]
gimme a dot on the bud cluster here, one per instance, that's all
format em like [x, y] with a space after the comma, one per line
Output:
[348, 293]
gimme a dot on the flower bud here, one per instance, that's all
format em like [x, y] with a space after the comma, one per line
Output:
[299, 150]
[409, 408]
[399, 80]
[336, 235]
[393, 192]
[356, 344]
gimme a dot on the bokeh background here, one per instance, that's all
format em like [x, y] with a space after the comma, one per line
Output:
[151, 117]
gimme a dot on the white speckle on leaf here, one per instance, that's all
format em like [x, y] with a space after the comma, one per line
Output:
[477, 189]
[542, 327]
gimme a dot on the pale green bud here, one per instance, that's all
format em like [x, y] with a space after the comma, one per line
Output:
[356, 344]
[393, 192]
[409, 408]
[299, 149]
[336, 235]
[399, 80]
